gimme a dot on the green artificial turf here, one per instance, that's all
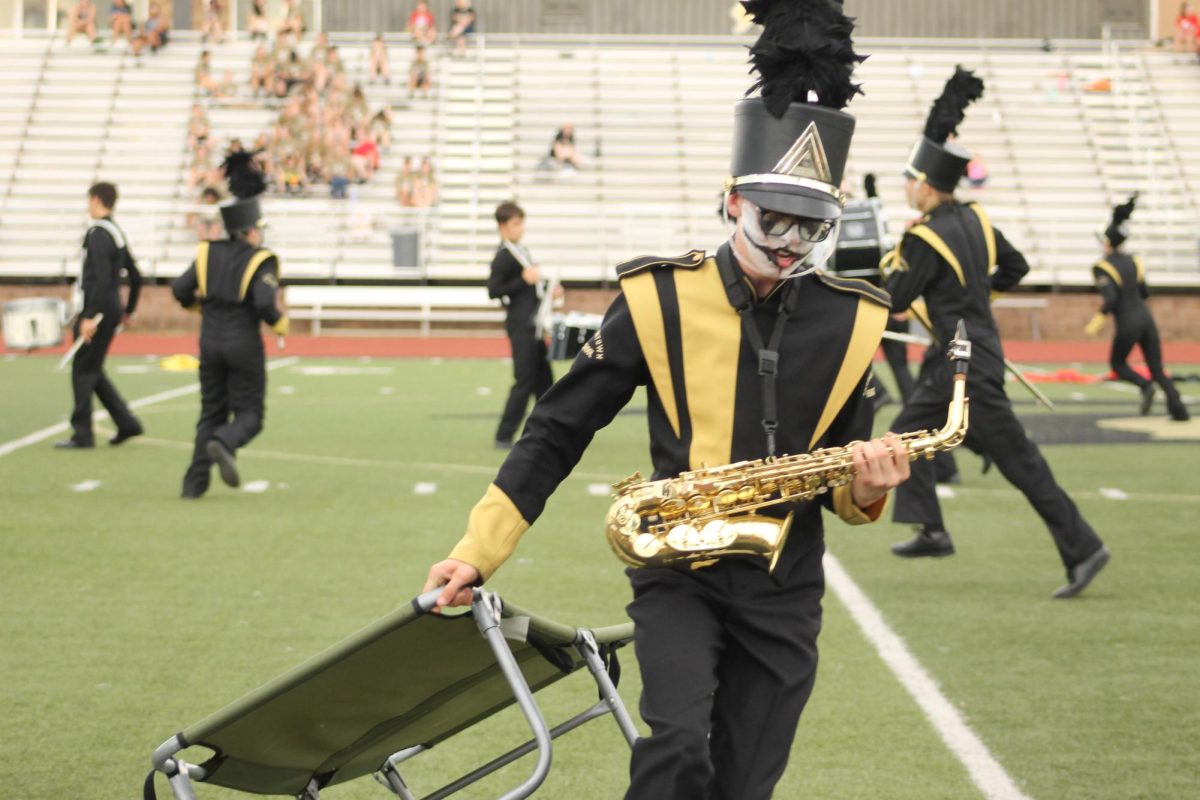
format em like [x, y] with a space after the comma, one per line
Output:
[128, 613]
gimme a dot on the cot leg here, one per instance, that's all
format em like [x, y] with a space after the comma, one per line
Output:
[311, 792]
[591, 656]
[487, 617]
[391, 776]
[179, 773]
[181, 786]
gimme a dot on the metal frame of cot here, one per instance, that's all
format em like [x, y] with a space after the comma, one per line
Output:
[251, 737]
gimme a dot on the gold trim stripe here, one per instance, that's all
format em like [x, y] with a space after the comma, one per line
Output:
[869, 322]
[642, 296]
[924, 233]
[989, 235]
[1141, 269]
[493, 529]
[252, 266]
[921, 312]
[710, 330]
[1112, 271]
[202, 269]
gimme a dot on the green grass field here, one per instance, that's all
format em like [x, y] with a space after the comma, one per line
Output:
[129, 613]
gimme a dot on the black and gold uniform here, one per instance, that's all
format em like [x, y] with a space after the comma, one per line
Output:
[531, 366]
[954, 259]
[106, 257]
[675, 328]
[1121, 281]
[234, 285]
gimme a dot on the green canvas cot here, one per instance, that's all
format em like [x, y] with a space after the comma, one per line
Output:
[393, 690]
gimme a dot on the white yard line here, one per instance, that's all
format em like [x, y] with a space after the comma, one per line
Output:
[170, 394]
[987, 774]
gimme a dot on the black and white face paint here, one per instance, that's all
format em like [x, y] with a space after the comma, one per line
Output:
[765, 256]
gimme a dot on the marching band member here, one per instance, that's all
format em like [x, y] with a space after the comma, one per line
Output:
[744, 353]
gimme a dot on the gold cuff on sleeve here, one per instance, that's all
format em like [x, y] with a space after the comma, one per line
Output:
[493, 529]
[844, 507]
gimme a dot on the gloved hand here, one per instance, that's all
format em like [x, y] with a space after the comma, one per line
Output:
[1094, 324]
[281, 326]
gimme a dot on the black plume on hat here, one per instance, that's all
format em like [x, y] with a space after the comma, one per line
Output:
[804, 47]
[245, 179]
[869, 185]
[948, 111]
[1117, 232]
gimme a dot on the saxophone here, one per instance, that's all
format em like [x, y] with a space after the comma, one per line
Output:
[704, 515]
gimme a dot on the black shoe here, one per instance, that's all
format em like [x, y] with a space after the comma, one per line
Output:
[503, 444]
[1147, 398]
[935, 544]
[73, 444]
[1082, 573]
[126, 435]
[224, 461]
[189, 493]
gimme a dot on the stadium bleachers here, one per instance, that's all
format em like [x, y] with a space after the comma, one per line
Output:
[653, 126]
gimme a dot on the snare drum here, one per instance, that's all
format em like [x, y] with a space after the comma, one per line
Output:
[33, 322]
[571, 332]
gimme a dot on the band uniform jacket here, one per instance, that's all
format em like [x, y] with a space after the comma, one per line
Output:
[106, 256]
[506, 284]
[1121, 279]
[947, 267]
[235, 285]
[674, 329]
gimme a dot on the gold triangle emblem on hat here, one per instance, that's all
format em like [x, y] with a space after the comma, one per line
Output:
[806, 158]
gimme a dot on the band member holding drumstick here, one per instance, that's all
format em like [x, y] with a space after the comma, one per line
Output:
[517, 282]
[106, 256]
[746, 353]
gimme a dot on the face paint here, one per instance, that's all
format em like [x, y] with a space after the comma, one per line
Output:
[764, 256]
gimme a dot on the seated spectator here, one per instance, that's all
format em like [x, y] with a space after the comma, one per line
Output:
[404, 183]
[1187, 29]
[341, 169]
[293, 20]
[198, 127]
[207, 221]
[121, 21]
[425, 188]
[154, 32]
[320, 48]
[977, 171]
[203, 74]
[421, 25]
[262, 71]
[212, 26]
[226, 87]
[462, 25]
[364, 157]
[201, 171]
[357, 109]
[82, 19]
[377, 65]
[380, 126]
[256, 20]
[562, 149]
[418, 74]
[293, 178]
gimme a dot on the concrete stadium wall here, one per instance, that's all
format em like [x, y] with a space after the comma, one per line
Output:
[1031, 19]
[1178, 315]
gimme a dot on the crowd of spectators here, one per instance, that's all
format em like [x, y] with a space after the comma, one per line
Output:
[151, 34]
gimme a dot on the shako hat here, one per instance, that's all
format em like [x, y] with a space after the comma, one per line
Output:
[246, 183]
[1118, 228]
[791, 141]
[936, 159]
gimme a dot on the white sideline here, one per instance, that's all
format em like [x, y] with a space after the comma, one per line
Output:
[967, 747]
[170, 394]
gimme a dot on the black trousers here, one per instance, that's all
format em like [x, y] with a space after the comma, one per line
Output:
[896, 355]
[531, 378]
[728, 660]
[233, 382]
[1144, 333]
[996, 432]
[88, 378]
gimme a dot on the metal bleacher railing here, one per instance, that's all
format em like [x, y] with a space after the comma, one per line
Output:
[653, 121]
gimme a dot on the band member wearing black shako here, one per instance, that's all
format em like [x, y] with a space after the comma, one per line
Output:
[517, 282]
[955, 260]
[234, 284]
[106, 257]
[745, 353]
[1121, 280]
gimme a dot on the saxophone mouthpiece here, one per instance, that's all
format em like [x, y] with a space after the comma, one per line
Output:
[960, 349]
